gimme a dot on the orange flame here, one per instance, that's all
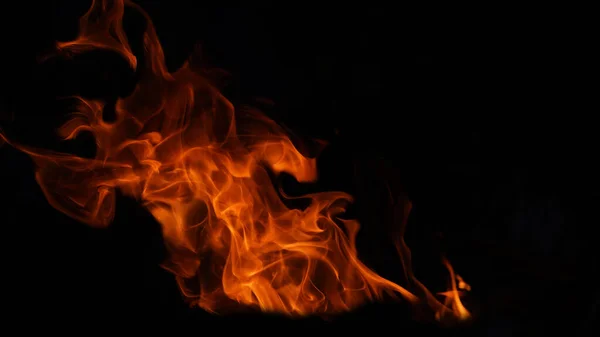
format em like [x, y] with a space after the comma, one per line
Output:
[203, 174]
[453, 295]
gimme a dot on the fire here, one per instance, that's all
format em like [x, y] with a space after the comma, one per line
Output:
[202, 169]
[453, 295]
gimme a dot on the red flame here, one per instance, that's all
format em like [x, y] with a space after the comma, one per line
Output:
[201, 168]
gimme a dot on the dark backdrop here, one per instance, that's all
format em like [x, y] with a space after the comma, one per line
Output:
[478, 114]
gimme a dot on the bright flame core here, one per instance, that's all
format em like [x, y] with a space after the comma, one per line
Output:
[176, 147]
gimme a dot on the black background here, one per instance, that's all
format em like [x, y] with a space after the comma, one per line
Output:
[480, 115]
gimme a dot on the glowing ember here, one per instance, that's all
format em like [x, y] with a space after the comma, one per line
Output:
[176, 147]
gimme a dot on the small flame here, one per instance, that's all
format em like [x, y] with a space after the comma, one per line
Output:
[201, 168]
[453, 295]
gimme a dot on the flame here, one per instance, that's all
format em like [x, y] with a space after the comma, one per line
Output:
[453, 295]
[202, 169]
